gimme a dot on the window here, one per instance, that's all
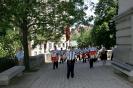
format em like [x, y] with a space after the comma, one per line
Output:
[63, 45]
[67, 44]
[59, 45]
[40, 52]
[35, 53]
[50, 45]
[40, 47]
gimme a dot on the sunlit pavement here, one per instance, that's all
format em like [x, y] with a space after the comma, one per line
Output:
[101, 76]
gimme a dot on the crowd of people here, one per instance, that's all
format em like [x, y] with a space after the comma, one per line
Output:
[71, 55]
[90, 54]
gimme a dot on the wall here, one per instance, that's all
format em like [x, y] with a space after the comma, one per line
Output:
[124, 34]
[124, 5]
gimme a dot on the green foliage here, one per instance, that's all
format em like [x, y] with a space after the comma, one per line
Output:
[104, 30]
[57, 16]
[83, 38]
[37, 20]
[45, 20]
[9, 43]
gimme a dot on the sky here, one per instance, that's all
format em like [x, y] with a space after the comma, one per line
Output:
[90, 11]
[88, 2]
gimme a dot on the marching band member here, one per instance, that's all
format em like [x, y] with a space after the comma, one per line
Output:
[61, 56]
[70, 62]
[54, 58]
[83, 55]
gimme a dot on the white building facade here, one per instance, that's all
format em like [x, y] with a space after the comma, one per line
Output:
[39, 49]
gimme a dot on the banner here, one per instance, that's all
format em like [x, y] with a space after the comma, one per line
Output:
[67, 33]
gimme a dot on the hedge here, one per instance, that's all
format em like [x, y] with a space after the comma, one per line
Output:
[6, 63]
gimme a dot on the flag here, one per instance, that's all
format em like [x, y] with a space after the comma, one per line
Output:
[67, 32]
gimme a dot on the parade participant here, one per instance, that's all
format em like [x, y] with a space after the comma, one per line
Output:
[88, 54]
[61, 56]
[83, 56]
[20, 56]
[54, 58]
[103, 55]
[78, 54]
[92, 56]
[70, 62]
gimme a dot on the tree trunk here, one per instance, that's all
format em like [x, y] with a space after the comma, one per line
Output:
[25, 46]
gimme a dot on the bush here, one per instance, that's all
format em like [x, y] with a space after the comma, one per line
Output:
[6, 63]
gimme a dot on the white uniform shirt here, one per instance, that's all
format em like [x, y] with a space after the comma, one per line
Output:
[61, 52]
[70, 55]
[54, 53]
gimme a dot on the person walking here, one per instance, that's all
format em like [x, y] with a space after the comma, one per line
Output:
[103, 55]
[61, 56]
[78, 51]
[88, 54]
[70, 62]
[54, 58]
[20, 56]
[84, 56]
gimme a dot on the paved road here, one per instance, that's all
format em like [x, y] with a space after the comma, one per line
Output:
[98, 77]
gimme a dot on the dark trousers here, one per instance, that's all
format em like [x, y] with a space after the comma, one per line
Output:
[91, 63]
[84, 60]
[55, 65]
[70, 68]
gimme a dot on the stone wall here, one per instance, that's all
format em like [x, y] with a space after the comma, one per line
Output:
[36, 61]
[124, 5]
[48, 58]
[124, 37]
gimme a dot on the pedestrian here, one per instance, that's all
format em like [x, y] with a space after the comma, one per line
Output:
[70, 62]
[88, 54]
[91, 62]
[20, 56]
[84, 56]
[78, 54]
[113, 50]
[103, 55]
[61, 56]
[54, 58]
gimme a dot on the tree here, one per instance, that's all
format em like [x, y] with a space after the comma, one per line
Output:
[38, 19]
[9, 43]
[83, 38]
[104, 30]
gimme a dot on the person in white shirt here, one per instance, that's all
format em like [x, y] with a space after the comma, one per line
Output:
[20, 56]
[70, 62]
[61, 56]
[54, 58]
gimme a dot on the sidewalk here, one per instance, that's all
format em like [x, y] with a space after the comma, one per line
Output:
[98, 77]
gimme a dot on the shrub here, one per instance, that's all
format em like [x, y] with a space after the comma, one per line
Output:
[6, 63]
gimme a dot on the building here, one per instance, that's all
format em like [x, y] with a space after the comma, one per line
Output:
[39, 49]
[84, 27]
[124, 34]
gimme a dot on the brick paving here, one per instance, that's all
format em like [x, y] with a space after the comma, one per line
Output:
[101, 76]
